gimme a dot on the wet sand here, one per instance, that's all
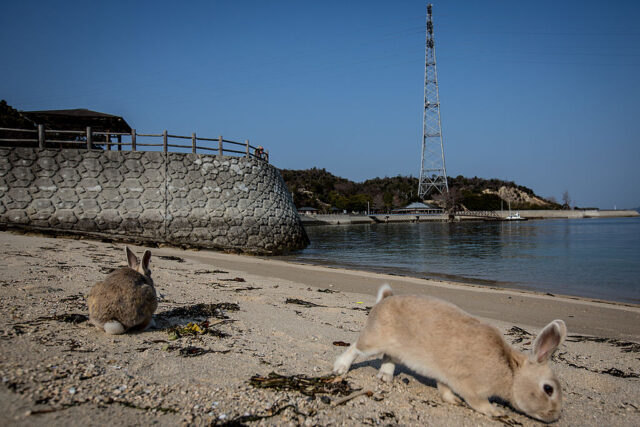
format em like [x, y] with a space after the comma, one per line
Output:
[57, 372]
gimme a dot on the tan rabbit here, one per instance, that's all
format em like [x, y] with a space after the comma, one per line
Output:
[466, 357]
[126, 298]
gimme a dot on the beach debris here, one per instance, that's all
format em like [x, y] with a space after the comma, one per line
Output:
[506, 420]
[210, 272]
[345, 399]
[309, 386]
[328, 291]
[341, 344]
[234, 279]
[519, 335]
[201, 310]
[193, 330]
[614, 372]
[367, 308]
[273, 411]
[192, 351]
[74, 297]
[302, 302]
[248, 288]
[170, 258]
[625, 346]
[73, 318]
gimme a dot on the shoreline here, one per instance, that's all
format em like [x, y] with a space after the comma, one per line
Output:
[274, 316]
[462, 281]
[351, 219]
[584, 314]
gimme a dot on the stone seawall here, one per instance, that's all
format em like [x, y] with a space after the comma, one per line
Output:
[218, 202]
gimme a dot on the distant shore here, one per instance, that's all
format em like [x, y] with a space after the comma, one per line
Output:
[341, 219]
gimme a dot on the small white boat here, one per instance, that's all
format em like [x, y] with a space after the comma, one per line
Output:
[514, 217]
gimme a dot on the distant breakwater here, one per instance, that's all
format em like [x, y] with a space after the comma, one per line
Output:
[342, 219]
[205, 201]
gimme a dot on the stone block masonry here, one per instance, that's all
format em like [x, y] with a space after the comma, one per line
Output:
[205, 201]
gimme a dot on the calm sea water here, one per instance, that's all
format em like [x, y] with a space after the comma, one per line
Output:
[597, 258]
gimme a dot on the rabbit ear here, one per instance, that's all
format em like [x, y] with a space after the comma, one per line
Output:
[549, 340]
[516, 359]
[145, 259]
[132, 259]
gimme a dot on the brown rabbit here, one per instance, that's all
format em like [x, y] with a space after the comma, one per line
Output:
[466, 357]
[126, 298]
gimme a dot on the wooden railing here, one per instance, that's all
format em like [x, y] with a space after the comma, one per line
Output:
[91, 140]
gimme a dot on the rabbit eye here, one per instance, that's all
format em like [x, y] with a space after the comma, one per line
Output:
[548, 389]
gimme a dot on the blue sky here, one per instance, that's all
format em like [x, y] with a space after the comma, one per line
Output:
[544, 93]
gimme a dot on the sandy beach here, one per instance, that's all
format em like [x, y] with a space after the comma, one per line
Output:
[252, 316]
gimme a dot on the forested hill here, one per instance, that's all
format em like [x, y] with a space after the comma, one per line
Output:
[324, 191]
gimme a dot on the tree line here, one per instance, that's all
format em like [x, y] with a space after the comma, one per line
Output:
[320, 189]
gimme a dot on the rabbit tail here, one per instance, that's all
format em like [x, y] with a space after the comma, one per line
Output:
[384, 291]
[114, 327]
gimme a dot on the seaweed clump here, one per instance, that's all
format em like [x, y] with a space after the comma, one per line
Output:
[193, 330]
[309, 386]
[302, 302]
[201, 310]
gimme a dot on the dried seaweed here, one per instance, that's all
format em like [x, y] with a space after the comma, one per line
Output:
[519, 334]
[328, 291]
[271, 412]
[74, 297]
[209, 272]
[201, 310]
[309, 386]
[625, 346]
[193, 330]
[506, 420]
[234, 279]
[248, 288]
[302, 302]
[341, 344]
[614, 372]
[73, 318]
[170, 258]
[192, 351]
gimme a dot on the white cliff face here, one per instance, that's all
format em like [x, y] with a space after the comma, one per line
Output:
[516, 196]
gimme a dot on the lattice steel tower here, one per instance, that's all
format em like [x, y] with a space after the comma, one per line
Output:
[433, 174]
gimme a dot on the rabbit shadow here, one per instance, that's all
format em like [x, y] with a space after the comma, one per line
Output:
[399, 369]
[429, 382]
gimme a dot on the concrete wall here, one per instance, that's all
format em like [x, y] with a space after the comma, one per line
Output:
[221, 202]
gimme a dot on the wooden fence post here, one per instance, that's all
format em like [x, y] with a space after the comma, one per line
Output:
[133, 140]
[164, 141]
[247, 142]
[108, 139]
[220, 145]
[119, 142]
[193, 142]
[89, 138]
[40, 136]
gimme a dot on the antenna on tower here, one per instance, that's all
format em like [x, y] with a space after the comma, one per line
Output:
[433, 174]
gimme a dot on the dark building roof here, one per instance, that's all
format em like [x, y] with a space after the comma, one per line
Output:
[78, 119]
